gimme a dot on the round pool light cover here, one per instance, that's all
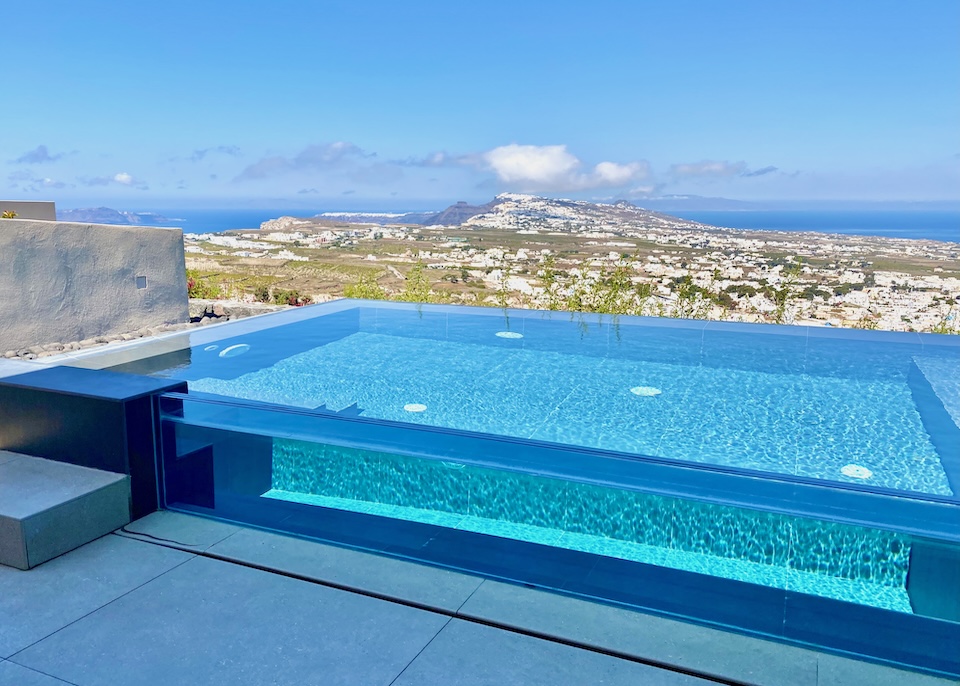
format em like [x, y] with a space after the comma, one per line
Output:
[414, 407]
[508, 334]
[645, 391]
[234, 350]
[855, 471]
[211, 348]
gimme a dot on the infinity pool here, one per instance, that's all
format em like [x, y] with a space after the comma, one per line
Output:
[794, 482]
[818, 404]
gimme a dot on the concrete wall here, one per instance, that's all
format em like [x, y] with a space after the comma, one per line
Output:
[30, 210]
[62, 282]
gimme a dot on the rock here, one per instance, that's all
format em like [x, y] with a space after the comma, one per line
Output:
[88, 342]
[10, 354]
[205, 321]
[28, 356]
[219, 310]
[53, 348]
[36, 350]
[102, 339]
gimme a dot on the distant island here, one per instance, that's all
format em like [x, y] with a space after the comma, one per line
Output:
[108, 215]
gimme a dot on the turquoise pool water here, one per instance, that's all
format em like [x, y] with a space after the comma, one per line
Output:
[850, 563]
[855, 428]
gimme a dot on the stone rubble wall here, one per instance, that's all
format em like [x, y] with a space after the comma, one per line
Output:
[202, 313]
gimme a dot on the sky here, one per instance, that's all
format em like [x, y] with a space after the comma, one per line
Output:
[365, 104]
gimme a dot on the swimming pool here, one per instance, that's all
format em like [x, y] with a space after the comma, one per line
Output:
[804, 465]
[820, 404]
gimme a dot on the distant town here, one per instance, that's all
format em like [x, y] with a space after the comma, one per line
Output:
[530, 252]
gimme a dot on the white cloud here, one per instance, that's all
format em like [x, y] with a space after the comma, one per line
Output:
[546, 165]
[328, 156]
[39, 155]
[534, 168]
[122, 178]
[25, 180]
[708, 169]
[644, 191]
[613, 174]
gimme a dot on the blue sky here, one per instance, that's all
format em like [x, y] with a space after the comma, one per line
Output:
[361, 104]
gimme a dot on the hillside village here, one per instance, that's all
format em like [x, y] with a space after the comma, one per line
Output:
[525, 251]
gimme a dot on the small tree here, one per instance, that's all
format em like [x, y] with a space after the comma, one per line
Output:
[417, 289]
[8, 214]
[365, 287]
[786, 293]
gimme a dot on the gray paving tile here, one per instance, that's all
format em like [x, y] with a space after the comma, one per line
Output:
[693, 647]
[429, 586]
[840, 671]
[179, 530]
[213, 622]
[14, 675]
[38, 602]
[467, 654]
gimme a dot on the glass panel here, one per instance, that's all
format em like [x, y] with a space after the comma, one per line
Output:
[789, 558]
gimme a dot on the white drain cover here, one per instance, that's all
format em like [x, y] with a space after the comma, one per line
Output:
[856, 471]
[645, 391]
[415, 407]
[509, 334]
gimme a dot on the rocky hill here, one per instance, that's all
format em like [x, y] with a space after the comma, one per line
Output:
[517, 211]
[458, 213]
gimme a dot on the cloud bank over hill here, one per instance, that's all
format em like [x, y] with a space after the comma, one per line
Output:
[338, 169]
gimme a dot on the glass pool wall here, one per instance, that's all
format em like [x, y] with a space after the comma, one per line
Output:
[829, 565]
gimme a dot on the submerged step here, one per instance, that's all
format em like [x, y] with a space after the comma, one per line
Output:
[48, 508]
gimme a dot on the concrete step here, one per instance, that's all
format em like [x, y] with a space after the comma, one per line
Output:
[48, 508]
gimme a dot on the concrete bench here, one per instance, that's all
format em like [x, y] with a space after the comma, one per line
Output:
[48, 508]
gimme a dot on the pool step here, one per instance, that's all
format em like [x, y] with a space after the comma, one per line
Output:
[48, 508]
[349, 411]
[933, 384]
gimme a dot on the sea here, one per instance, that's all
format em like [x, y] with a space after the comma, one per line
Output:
[939, 225]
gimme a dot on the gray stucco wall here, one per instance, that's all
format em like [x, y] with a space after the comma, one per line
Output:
[63, 282]
[29, 209]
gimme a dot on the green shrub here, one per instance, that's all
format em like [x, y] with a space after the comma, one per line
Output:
[262, 293]
[366, 287]
[292, 297]
[199, 286]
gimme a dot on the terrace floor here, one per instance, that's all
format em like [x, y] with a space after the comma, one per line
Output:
[180, 599]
